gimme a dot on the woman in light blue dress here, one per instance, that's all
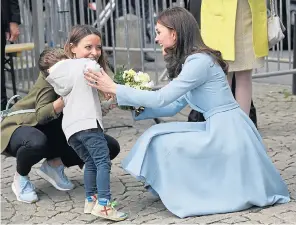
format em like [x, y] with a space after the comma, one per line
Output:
[200, 168]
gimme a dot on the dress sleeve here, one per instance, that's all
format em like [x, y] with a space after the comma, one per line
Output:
[193, 74]
[166, 111]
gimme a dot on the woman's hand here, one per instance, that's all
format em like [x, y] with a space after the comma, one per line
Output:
[101, 81]
[58, 105]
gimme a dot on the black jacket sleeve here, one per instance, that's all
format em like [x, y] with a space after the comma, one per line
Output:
[14, 10]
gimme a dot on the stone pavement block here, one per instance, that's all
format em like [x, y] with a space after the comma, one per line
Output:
[281, 165]
[19, 219]
[77, 194]
[251, 222]
[25, 209]
[117, 171]
[64, 217]
[117, 188]
[133, 184]
[64, 208]
[145, 219]
[37, 220]
[140, 188]
[208, 219]
[291, 181]
[56, 195]
[235, 219]
[45, 213]
[283, 157]
[87, 218]
[171, 220]
[264, 218]
[132, 210]
[7, 212]
[288, 217]
[4, 221]
[278, 209]
[148, 211]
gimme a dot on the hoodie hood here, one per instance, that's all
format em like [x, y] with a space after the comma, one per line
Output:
[60, 77]
[63, 74]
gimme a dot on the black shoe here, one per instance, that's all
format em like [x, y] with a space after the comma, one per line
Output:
[195, 116]
[148, 58]
[253, 115]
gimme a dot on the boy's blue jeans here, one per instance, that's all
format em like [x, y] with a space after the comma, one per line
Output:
[91, 146]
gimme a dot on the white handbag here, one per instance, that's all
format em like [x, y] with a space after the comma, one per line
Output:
[275, 26]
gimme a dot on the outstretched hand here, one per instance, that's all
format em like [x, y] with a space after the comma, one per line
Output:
[101, 81]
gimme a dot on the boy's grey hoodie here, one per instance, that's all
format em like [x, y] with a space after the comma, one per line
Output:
[82, 108]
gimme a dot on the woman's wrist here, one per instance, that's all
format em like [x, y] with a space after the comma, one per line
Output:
[113, 89]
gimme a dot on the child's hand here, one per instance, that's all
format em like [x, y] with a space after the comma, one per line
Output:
[109, 96]
[112, 106]
[107, 106]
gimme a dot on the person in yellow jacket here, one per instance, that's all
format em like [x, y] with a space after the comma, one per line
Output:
[237, 28]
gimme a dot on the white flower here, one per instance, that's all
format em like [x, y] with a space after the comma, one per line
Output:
[136, 78]
[143, 77]
[149, 85]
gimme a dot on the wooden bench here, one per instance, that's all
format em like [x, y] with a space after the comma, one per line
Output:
[15, 50]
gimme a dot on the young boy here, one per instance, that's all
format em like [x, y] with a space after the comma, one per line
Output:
[83, 127]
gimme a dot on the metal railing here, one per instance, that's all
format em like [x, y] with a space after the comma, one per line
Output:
[127, 39]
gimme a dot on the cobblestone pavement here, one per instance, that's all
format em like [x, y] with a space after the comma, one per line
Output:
[277, 123]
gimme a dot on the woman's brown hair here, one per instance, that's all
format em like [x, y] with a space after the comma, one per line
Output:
[79, 32]
[189, 40]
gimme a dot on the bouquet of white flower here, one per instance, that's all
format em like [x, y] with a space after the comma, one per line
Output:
[138, 80]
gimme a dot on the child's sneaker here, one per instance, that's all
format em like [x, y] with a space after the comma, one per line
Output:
[89, 204]
[105, 209]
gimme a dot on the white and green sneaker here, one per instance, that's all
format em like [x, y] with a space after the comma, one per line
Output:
[105, 209]
[90, 203]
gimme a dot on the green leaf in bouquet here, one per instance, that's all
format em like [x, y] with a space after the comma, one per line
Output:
[118, 75]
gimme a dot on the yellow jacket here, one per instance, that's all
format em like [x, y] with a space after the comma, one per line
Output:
[218, 26]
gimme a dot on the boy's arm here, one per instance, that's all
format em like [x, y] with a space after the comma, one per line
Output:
[62, 77]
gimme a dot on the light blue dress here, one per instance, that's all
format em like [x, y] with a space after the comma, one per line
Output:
[200, 168]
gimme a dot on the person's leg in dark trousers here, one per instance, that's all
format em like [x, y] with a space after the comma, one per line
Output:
[58, 145]
[29, 145]
[3, 86]
[68, 156]
[52, 169]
